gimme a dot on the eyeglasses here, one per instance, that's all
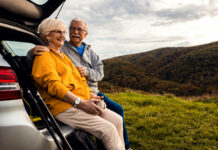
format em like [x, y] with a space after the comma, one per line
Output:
[78, 29]
[59, 32]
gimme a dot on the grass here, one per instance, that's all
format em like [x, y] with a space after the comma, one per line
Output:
[157, 122]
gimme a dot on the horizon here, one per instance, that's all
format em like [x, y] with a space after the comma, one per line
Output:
[119, 27]
[156, 49]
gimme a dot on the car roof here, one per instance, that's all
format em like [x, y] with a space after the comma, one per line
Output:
[26, 12]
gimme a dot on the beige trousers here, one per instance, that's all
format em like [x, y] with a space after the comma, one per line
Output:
[108, 127]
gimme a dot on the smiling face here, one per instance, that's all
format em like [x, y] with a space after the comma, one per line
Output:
[56, 38]
[77, 33]
[53, 33]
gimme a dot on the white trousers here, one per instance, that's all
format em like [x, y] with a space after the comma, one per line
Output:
[108, 127]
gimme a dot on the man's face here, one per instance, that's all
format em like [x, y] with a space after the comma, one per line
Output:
[77, 33]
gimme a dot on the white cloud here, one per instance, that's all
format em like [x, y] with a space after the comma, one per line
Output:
[118, 27]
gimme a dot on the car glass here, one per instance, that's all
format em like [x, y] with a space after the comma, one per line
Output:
[17, 48]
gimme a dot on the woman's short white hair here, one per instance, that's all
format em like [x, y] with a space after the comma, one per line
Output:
[48, 25]
[79, 20]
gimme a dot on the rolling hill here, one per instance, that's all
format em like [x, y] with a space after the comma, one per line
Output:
[183, 71]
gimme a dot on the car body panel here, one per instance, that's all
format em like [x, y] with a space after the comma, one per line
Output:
[17, 130]
[3, 62]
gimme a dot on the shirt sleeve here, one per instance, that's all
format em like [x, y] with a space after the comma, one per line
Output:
[45, 73]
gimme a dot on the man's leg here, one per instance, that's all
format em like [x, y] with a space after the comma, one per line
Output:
[119, 110]
[106, 131]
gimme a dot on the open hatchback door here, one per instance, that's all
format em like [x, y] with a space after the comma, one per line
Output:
[28, 12]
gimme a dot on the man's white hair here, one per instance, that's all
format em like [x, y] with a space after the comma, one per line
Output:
[79, 20]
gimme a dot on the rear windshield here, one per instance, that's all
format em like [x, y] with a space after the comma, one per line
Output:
[17, 48]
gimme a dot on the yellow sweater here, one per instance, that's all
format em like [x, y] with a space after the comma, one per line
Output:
[55, 76]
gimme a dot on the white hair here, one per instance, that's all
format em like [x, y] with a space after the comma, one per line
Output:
[79, 20]
[48, 25]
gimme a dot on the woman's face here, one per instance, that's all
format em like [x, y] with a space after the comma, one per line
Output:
[57, 37]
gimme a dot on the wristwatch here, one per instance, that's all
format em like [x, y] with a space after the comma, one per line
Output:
[76, 102]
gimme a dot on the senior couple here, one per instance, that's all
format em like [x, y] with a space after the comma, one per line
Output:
[67, 75]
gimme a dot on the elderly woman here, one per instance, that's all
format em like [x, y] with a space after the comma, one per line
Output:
[66, 93]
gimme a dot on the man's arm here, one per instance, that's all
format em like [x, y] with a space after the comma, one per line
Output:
[29, 60]
[36, 51]
[95, 72]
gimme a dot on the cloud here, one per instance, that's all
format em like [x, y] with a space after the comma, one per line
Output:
[104, 11]
[127, 26]
[181, 14]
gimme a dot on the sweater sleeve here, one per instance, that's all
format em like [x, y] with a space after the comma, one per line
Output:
[45, 73]
[95, 72]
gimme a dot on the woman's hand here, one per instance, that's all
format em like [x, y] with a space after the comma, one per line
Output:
[90, 106]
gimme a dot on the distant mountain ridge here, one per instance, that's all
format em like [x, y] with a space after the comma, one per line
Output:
[178, 70]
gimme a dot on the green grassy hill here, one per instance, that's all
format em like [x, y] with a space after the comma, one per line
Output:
[169, 123]
[180, 70]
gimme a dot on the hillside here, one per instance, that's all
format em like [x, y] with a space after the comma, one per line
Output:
[179, 70]
[166, 122]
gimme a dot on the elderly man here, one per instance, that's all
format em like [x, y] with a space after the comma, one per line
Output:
[87, 62]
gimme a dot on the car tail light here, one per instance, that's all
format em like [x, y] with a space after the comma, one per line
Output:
[9, 87]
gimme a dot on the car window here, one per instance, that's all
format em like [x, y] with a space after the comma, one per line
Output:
[17, 48]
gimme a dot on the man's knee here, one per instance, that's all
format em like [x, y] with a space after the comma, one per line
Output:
[101, 94]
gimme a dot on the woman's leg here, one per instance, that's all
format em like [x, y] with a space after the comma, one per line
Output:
[104, 130]
[116, 120]
[112, 105]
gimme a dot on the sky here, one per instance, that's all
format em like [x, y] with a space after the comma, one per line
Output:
[120, 27]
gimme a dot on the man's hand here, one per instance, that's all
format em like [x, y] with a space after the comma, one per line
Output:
[82, 71]
[37, 50]
[90, 106]
[93, 95]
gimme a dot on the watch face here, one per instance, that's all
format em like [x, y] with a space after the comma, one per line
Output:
[77, 101]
